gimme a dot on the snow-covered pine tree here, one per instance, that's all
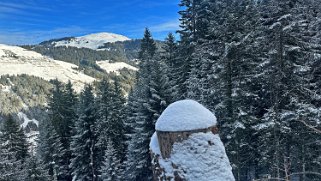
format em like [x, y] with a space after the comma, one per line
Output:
[8, 163]
[290, 48]
[171, 65]
[35, 170]
[188, 36]
[14, 150]
[148, 102]
[111, 119]
[104, 111]
[62, 114]
[111, 169]
[49, 150]
[117, 121]
[222, 71]
[197, 81]
[84, 163]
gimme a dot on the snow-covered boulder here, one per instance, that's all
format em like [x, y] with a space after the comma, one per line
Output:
[186, 145]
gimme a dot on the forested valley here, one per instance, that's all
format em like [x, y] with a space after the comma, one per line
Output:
[256, 64]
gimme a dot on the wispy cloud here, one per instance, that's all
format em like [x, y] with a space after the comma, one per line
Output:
[171, 25]
[27, 5]
[18, 37]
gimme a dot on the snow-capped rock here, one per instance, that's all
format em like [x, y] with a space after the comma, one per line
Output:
[92, 41]
[16, 61]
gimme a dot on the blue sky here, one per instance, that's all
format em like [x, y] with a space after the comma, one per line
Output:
[32, 21]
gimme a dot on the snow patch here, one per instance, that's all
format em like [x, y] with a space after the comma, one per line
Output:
[92, 41]
[32, 137]
[185, 115]
[21, 61]
[114, 67]
[23, 117]
[154, 146]
[263, 126]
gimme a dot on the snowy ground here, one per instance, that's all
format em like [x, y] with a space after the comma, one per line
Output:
[114, 67]
[16, 60]
[92, 41]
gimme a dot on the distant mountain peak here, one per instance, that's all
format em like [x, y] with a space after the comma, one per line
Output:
[92, 41]
[110, 37]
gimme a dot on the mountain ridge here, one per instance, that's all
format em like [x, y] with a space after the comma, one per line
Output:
[92, 41]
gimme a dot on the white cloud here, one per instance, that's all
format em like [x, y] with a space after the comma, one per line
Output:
[20, 37]
[172, 25]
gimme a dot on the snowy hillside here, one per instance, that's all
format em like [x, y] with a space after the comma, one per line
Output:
[114, 67]
[16, 60]
[92, 41]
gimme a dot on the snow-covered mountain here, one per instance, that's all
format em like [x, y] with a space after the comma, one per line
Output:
[16, 61]
[92, 41]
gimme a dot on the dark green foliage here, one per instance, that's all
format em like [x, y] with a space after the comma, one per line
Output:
[49, 149]
[251, 63]
[147, 101]
[55, 141]
[111, 169]
[35, 170]
[15, 138]
[13, 151]
[84, 163]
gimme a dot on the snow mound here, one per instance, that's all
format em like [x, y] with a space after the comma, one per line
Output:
[153, 145]
[201, 157]
[92, 41]
[185, 115]
[114, 67]
[16, 61]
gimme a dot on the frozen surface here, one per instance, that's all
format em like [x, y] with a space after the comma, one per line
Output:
[185, 115]
[114, 67]
[92, 41]
[17, 61]
[201, 157]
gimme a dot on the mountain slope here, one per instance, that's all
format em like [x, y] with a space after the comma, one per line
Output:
[16, 61]
[115, 66]
[91, 41]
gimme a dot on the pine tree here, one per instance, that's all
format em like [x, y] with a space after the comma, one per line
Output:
[111, 169]
[290, 49]
[117, 120]
[170, 66]
[49, 150]
[14, 150]
[84, 163]
[62, 107]
[148, 101]
[35, 170]
[104, 105]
